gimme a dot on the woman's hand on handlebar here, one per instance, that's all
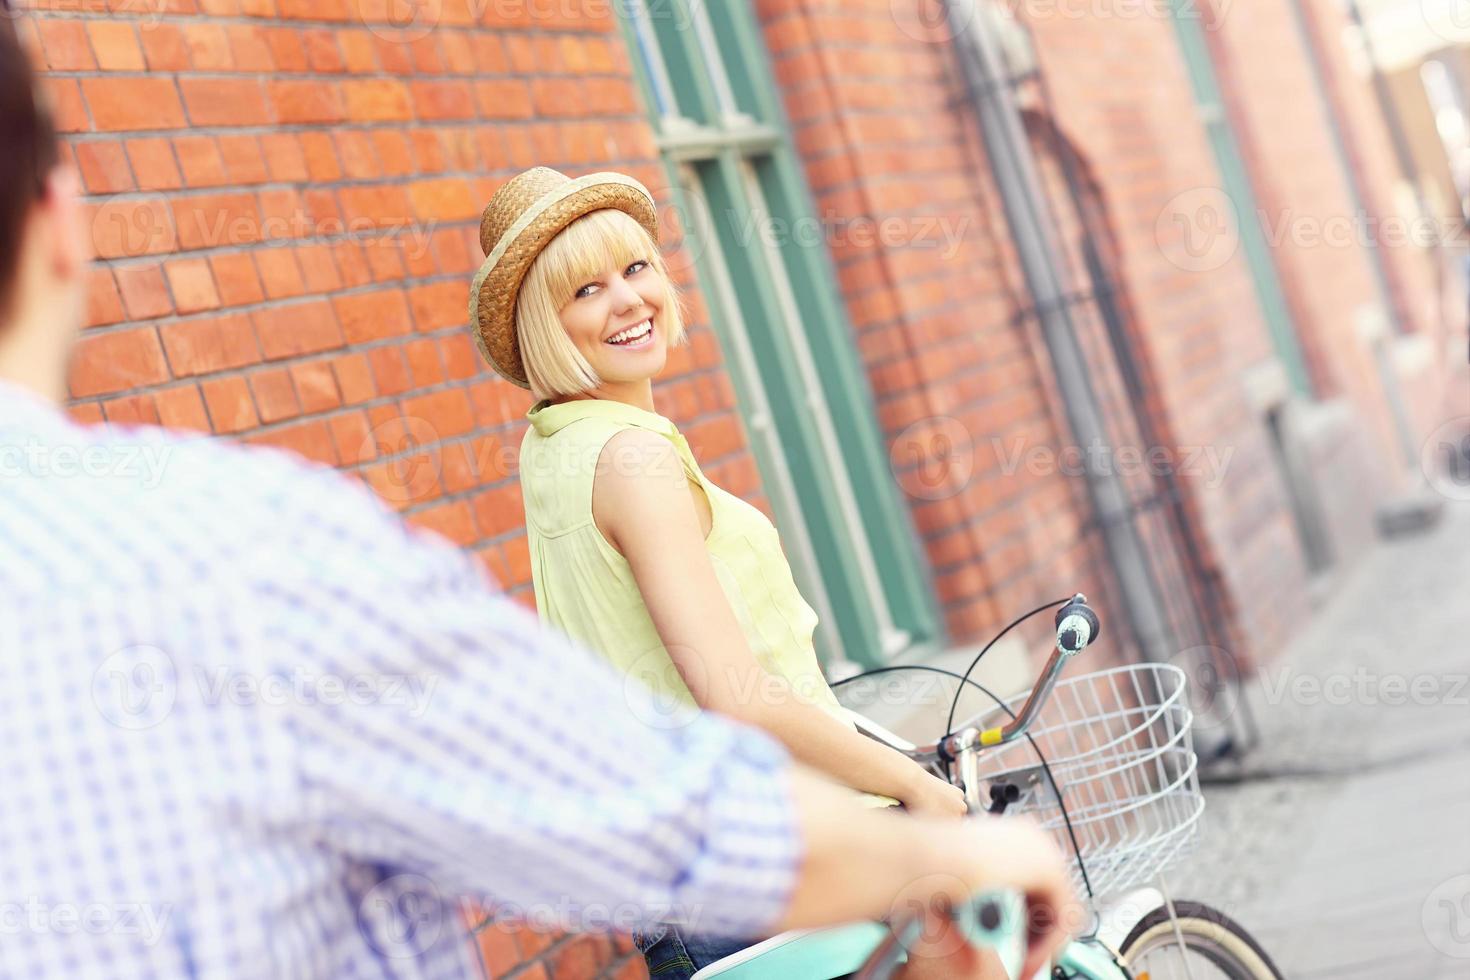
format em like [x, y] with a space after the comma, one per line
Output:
[931, 796]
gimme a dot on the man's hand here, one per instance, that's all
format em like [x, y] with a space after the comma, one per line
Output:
[931, 796]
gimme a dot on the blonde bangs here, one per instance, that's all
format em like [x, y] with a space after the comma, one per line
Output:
[595, 241]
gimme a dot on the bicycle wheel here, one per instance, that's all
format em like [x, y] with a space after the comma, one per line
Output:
[1214, 946]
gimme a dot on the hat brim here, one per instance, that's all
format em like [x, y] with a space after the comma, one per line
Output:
[498, 282]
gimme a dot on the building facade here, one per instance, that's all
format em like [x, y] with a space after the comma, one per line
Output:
[989, 303]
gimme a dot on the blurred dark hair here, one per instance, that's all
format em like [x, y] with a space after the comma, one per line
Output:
[28, 150]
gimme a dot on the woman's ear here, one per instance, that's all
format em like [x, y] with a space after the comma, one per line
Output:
[60, 210]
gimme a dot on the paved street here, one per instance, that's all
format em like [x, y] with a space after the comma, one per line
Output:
[1344, 841]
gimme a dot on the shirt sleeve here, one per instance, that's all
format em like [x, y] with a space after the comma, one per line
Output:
[468, 743]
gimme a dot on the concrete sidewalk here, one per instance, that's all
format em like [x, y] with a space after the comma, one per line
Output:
[1343, 841]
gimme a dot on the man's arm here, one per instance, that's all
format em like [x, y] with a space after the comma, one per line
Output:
[511, 763]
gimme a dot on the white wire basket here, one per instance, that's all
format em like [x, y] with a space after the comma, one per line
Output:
[1119, 746]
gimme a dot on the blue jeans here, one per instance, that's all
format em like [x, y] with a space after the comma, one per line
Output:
[672, 955]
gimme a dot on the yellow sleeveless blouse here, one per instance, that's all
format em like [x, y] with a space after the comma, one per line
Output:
[585, 587]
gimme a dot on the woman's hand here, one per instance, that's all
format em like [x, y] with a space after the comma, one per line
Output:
[931, 796]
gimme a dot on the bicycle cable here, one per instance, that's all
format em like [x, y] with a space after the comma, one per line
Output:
[1041, 756]
[949, 722]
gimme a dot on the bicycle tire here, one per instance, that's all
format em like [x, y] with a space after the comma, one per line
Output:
[1207, 932]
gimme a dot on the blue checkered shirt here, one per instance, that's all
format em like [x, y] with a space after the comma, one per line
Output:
[252, 726]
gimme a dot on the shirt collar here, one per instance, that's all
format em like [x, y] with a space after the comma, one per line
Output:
[547, 418]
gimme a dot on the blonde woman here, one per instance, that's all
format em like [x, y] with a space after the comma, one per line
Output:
[634, 552]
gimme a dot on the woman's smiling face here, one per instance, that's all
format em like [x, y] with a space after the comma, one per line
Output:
[612, 318]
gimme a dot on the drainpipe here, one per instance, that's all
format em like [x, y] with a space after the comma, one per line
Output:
[1005, 139]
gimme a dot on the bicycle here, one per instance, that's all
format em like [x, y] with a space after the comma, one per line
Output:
[1121, 793]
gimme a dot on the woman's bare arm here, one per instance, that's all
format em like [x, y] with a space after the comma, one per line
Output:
[641, 501]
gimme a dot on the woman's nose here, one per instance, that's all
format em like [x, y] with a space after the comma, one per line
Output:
[624, 296]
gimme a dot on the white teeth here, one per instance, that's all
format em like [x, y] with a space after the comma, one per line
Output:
[632, 333]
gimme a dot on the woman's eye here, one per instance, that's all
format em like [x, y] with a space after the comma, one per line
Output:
[585, 291]
[631, 269]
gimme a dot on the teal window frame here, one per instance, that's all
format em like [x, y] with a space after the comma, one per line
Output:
[802, 392]
[1255, 246]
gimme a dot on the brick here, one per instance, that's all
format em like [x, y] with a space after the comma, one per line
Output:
[234, 275]
[354, 378]
[457, 468]
[438, 305]
[64, 43]
[390, 371]
[287, 51]
[322, 52]
[231, 408]
[133, 103]
[104, 166]
[306, 102]
[320, 155]
[144, 291]
[85, 414]
[352, 438]
[318, 270]
[313, 440]
[448, 412]
[182, 408]
[355, 149]
[283, 157]
[359, 54]
[225, 101]
[275, 397]
[211, 344]
[244, 163]
[131, 410]
[208, 47]
[248, 48]
[461, 359]
[116, 361]
[453, 522]
[279, 272]
[192, 284]
[377, 100]
[301, 328]
[499, 510]
[68, 111]
[164, 48]
[443, 200]
[316, 386]
[504, 99]
[217, 220]
[373, 316]
[200, 161]
[104, 303]
[443, 100]
[154, 164]
[423, 362]
[115, 43]
[394, 152]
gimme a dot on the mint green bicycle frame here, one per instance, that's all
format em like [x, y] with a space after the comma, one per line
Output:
[845, 950]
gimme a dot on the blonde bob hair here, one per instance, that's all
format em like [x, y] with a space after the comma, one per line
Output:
[595, 241]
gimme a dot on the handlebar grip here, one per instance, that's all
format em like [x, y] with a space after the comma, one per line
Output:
[1077, 626]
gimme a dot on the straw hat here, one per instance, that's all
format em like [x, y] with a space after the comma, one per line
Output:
[527, 212]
